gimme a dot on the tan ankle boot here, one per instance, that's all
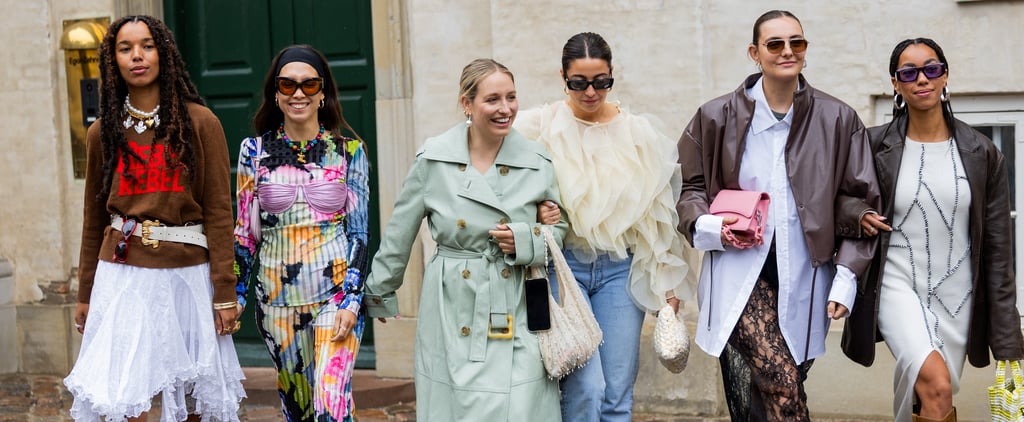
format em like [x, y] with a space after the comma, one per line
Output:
[950, 417]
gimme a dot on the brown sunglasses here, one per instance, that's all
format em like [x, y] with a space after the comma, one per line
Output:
[311, 86]
[776, 45]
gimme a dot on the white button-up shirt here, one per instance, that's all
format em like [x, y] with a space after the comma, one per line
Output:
[728, 278]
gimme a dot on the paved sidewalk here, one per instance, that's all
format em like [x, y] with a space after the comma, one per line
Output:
[43, 398]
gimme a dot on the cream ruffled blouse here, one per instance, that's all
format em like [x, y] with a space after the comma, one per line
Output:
[619, 181]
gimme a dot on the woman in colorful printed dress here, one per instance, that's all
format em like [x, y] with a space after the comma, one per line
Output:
[155, 279]
[302, 228]
[478, 186]
[942, 287]
[619, 181]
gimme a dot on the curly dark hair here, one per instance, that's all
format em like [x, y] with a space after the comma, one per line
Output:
[176, 91]
[269, 116]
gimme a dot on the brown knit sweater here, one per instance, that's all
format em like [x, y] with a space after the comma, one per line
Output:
[163, 192]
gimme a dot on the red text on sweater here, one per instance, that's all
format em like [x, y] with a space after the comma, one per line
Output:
[152, 174]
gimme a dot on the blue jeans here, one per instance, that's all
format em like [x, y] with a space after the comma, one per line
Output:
[602, 390]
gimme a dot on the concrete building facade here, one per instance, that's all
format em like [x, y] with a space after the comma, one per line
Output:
[669, 57]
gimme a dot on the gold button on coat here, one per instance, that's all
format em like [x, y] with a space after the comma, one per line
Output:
[465, 273]
[503, 170]
[462, 167]
[464, 331]
[505, 272]
[461, 223]
[536, 231]
[503, 220]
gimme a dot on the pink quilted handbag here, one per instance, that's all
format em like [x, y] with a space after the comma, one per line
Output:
[750, 210]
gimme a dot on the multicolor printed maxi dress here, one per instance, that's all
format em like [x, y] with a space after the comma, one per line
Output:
[311, 249]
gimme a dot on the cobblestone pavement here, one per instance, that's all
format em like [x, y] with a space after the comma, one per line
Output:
[43, 398]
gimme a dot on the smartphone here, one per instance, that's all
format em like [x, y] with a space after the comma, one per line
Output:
[538, 311]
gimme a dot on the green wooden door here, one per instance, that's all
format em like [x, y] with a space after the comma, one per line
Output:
[227, 46]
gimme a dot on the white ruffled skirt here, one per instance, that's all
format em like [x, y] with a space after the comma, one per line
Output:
[150, 331]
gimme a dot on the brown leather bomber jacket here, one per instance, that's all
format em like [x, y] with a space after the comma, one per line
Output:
[827, 157]
[995, 322]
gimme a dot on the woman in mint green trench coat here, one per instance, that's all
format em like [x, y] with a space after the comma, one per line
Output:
[475, 359]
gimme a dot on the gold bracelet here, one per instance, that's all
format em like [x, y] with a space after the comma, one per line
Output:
[225, 305]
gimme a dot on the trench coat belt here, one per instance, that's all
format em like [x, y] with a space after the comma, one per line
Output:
[490, 307]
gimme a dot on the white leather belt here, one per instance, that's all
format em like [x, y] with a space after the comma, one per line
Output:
[152, 232]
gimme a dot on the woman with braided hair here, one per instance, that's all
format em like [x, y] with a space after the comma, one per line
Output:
[156, 281]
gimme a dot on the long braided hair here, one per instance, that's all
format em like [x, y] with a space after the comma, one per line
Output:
[176, 91]
[894, 63]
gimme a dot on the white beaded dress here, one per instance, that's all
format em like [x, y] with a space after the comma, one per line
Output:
[925, 298]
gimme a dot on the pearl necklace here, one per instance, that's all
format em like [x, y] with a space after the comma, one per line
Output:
[146, 120]
[300, 151]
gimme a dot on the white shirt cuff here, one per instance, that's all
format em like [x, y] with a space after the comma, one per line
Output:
[707, 233]
[844, 287]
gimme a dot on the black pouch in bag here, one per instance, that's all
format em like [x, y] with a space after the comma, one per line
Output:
[538, 308]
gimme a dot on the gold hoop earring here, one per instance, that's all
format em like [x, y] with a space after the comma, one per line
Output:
[321, 103]
[565, 90]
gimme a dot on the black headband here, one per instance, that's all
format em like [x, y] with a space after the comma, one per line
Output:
[301, 54]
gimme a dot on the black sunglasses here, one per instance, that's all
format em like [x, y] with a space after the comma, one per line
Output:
[582, 84]
[309, 86]
[776, 45]
[930, 70]
[121, 249]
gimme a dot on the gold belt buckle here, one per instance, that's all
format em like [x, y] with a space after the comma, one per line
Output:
[146, 232]
[502, 333]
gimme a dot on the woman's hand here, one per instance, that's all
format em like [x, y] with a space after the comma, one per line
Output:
[344, 321]
[837, 310]
[81, 312]
[503, 236]
[674, 303]
[548, 212]
[871, 223]
[226, 320]
[741, 237]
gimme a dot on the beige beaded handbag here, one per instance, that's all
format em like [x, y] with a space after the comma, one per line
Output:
[671, 340]
[574, 335]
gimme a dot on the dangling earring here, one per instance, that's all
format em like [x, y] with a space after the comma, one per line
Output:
[805, 63]
[469, 119]
[945, 94]
[321, 103]
[565, 90]
[897, 101]
[275, 102]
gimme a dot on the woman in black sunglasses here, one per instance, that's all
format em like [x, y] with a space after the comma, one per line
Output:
[942, 288]
[156, 284]
[301, 234]
[618, 178]
[765, 309]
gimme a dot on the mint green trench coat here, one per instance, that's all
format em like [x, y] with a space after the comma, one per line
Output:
[472, 293]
